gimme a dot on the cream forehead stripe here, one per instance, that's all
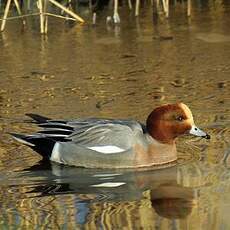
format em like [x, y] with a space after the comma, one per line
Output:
[186, 110]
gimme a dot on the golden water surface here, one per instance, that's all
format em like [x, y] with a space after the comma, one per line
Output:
[121, 71]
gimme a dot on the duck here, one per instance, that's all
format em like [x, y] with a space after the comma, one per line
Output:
[113, 143]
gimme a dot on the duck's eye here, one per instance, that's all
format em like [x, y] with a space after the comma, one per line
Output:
[179, 118]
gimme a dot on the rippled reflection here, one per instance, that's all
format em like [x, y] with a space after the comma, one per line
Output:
[89, 192]
[70, 197]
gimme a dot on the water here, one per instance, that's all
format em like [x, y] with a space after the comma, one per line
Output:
[119, 72]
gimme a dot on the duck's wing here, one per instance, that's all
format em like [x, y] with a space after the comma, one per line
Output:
[95, 134]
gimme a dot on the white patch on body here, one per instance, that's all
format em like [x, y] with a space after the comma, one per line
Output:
[55, 155]
[109, 184]
[107, 149]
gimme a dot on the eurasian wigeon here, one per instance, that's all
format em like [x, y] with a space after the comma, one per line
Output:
[109, 143]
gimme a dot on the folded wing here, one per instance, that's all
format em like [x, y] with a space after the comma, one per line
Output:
[101, 135]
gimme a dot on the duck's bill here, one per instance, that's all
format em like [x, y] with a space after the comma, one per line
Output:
[198, 132]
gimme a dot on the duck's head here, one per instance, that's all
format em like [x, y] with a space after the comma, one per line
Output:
[167, 122]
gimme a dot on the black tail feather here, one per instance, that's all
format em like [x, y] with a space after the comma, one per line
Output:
[40, 144]
[38, 118]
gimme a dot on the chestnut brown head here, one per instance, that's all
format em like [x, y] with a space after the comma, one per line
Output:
[167, 122]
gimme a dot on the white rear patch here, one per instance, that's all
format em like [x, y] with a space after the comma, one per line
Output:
[107, 149]
[55, 155]
[109, 184]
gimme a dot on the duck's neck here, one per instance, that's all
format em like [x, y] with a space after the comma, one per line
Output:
[156, 153]
[169, 145]
[162, 137]
[162, 152]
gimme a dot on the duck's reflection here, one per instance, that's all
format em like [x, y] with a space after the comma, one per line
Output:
[168, 198]
[172, 201]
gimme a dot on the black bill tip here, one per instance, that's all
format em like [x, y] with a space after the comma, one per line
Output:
[207, 136]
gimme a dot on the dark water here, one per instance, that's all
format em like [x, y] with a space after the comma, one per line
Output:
[119, 72]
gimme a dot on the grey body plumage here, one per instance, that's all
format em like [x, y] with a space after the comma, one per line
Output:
[84, 142]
